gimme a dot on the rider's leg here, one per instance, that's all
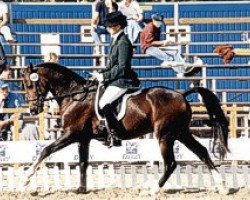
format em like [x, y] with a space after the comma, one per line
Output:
[114, 125]
[111, 94]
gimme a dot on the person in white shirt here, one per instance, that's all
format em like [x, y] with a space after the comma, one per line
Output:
[7, 35]
[134, 14]
[4, 18]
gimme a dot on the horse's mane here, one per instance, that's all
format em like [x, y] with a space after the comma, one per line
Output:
[63, 70]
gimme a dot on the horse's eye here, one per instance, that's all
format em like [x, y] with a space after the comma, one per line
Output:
[30, 86]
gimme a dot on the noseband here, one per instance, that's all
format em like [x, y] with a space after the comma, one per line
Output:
[40, 97]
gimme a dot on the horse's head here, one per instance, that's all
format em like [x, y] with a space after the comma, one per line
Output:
[35, 87]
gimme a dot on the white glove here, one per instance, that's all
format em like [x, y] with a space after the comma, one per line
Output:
[98, 76]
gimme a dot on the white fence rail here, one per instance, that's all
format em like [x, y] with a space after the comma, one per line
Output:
[131, 166]
[54, 178]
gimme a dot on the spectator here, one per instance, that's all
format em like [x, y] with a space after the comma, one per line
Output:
[29, 132]
[150, 43]
[6, 32]
[4, 29]
[4, 69]
[134, 14]
[102, 8]
[12, 100]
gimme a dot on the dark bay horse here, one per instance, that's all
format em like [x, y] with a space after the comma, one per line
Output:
[164, 112]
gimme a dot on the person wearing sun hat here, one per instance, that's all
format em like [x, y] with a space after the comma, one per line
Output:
[8, 99]
[118, 76]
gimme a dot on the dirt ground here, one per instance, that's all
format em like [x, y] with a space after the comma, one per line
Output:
[129, 194]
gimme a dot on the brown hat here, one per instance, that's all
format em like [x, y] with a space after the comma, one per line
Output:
[115, 18]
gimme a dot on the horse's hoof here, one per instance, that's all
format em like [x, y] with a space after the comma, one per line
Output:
[81, 190]
[223, 190]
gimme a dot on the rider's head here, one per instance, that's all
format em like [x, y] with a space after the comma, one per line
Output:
[115, 22]
[157, 19]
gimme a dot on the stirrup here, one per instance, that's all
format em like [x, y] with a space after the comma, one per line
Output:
[102, 124]
[114, 141]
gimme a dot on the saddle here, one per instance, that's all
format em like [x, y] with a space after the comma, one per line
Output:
[119, 105]
[104, 133]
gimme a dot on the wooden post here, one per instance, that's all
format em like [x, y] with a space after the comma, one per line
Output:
[41, 126]
[16, 126]
[233, 121]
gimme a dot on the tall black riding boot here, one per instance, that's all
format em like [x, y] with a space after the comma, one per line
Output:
[115, 126]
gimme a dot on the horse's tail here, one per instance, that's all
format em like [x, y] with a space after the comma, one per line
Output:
[216, 114]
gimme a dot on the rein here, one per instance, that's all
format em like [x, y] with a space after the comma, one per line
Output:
[70, 94]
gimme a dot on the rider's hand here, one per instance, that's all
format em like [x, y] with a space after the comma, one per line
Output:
[98, 76]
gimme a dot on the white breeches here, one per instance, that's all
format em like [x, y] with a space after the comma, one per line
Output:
[111, 94]
[5, 31]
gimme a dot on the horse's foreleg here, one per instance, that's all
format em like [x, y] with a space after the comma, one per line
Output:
[83, 149]
[62, 142]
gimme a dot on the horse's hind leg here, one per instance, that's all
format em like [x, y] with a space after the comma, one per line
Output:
[62, 142]
[192, 144]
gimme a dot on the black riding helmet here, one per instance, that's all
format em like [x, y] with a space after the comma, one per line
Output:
[116, 18]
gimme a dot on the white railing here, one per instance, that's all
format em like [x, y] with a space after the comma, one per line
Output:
[65, 176]
[129, 166]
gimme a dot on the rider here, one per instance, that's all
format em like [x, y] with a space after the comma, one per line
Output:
[118, 77]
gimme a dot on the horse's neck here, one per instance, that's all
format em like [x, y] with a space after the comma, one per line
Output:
[60, 92]
[63, 93]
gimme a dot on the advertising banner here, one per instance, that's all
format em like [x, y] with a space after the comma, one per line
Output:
[131, 150]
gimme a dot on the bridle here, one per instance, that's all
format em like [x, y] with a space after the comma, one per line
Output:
[40, 98]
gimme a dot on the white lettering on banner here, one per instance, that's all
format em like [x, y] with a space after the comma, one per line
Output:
[131, 157]
[132, 150]
[5, 159]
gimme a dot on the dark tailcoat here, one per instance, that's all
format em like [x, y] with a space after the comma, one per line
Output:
[118, 71]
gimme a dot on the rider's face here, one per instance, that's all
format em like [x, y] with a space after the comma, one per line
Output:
[113, 29]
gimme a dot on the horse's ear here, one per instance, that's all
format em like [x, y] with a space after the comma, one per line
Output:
[32, 68]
